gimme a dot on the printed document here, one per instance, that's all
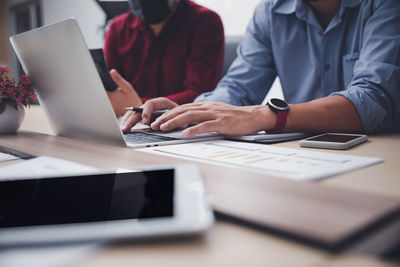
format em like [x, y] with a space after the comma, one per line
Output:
[41, 167]
[294, 164]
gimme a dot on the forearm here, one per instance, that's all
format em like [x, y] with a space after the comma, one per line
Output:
[329, 114]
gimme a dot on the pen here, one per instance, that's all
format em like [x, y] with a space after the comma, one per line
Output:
[140, 110]
[16, 153]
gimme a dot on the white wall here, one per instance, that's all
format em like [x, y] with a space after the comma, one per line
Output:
[235, 14]
[88, 14]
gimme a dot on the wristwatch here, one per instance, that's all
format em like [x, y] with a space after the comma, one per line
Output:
[281, 109]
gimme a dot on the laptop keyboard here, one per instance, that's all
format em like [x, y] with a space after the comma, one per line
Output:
[142, 138]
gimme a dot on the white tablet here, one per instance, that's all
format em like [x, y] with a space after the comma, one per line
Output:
[107, 205]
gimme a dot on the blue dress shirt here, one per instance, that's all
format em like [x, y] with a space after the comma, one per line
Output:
[356, 56]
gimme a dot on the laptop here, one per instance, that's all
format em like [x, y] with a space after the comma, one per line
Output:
[71, 92]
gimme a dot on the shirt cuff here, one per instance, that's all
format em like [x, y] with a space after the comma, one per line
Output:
[220, 94]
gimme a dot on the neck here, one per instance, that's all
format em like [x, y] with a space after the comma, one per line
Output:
[157, 28]
[325, 10]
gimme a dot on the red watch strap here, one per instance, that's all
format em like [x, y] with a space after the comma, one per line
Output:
[280, 122]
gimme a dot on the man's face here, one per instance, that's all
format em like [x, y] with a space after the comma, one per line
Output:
[152, 11]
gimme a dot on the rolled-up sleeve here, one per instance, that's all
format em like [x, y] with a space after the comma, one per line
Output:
[375, 86]
[253, 71]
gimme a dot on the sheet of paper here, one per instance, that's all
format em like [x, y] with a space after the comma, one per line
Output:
[43, 167]
[295, 164]
[7, 157]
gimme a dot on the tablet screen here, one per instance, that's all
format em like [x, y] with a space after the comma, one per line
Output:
[92, 198]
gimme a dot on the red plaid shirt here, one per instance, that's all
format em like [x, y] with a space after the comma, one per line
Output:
[184, 61]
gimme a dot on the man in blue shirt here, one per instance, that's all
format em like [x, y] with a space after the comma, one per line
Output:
[338, 62]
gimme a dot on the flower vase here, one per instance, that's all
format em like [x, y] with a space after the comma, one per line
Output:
[10, 117]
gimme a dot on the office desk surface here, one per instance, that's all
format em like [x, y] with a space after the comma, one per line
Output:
[382, 179]
[225, 243]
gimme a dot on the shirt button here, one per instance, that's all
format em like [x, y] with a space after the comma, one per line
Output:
[327, 66]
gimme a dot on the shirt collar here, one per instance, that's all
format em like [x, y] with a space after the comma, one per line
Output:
[348, 4]
[179, 14]
[287, 7]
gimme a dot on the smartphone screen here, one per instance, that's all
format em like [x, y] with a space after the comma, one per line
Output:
[101, 66]
[335, 138]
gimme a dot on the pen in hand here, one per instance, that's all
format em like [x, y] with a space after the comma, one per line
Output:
[154, 115]
[140, 110]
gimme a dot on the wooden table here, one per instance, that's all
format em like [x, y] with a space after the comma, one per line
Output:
[226, 243]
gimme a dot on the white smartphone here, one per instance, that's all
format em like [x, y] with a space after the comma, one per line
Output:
[333, 140]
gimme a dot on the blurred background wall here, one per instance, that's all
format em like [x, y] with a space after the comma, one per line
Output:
[21, 15]
[4, 48]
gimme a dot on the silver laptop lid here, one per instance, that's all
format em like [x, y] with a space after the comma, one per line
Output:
[67, 83]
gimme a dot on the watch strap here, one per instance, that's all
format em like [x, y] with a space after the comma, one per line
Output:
[281, 109]
[281, 118]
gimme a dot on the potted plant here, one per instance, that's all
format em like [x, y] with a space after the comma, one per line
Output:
[14, 96]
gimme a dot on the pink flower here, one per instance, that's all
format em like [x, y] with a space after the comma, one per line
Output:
[4, 69]
[21, 93]
[20, 100]
[24, 81]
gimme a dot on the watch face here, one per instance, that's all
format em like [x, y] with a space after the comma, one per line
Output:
[278, 104]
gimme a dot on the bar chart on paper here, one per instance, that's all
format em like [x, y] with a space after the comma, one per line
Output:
[295, 164]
